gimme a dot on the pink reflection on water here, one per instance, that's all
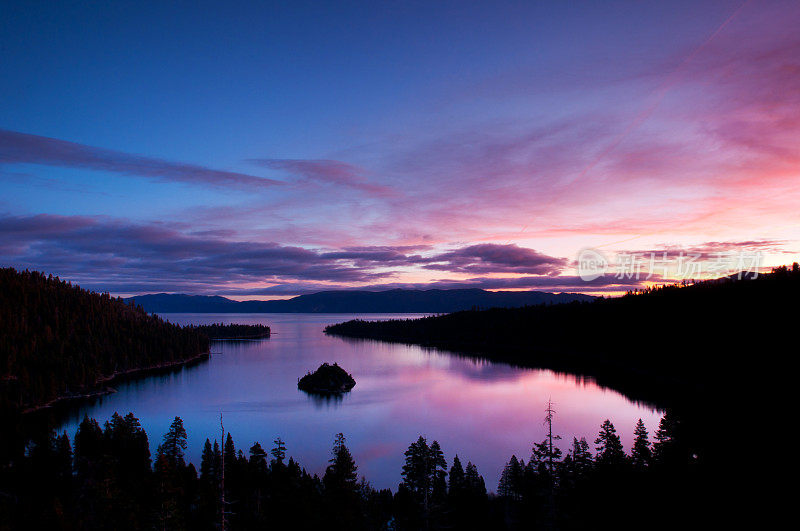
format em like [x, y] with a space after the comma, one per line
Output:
[490, 412]
[484, 412]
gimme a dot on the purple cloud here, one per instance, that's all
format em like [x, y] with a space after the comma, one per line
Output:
[711, 250]
[22, 148]
[496, 258]
[113, 252]
[116, 255]
[327, 171]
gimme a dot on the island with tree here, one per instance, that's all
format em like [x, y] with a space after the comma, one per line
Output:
[327, 379]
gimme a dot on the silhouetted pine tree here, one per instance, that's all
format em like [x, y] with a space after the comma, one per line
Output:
[173, 445]
[278, 451]
[341, 489]
[424, 474]
[457, 481]
[171, 478]
[641, 453]
[609, 447]
[665, 446]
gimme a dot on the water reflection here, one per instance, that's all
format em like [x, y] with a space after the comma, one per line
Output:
[326, 400]
[481, 410]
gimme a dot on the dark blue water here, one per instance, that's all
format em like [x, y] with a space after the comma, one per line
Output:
[484, 412]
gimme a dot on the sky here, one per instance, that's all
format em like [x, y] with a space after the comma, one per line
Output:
[265, 150]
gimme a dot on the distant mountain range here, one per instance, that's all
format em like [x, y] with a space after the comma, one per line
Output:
[392, 301]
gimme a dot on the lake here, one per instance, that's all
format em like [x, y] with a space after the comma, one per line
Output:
[480, 410]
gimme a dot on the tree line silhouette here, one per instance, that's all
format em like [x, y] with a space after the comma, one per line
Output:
[58, 341]
[107, 479]
[679, 326]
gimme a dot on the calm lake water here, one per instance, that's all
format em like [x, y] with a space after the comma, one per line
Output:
[482, 411]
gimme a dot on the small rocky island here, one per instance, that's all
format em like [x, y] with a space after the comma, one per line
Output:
[328, 379]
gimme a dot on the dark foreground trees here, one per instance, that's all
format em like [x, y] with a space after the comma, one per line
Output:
[107, 479]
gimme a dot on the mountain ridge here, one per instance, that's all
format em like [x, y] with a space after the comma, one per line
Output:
[355, 301]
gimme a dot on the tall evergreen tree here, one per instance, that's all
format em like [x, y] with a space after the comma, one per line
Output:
[511, 479]
[641, 452]
[457, 480]
[341, 487]
[474, 482]
[416, 470]
[63, 462]
[439, 473]
[207, 462]
[258, 458]
[424, 478]
[665, 445]
[580, 456]
[229, 452]
[171, 477]
[279, 451]
[609, 447]
[173, 445]
[342, 471]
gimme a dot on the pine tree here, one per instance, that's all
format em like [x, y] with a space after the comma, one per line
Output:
[63, 455]
[342, 471]
[174, 444]
[230, 458]
[580, 456]
[278, 451]
[424, 474]
[207, 462]
[341, 487]
[170, 469]
[217, 459]
[545, 457]
[511, 479]
[258, 468]
[641, 452]
[474, 481]
[609, 447]
[88, 445]
[258, 458]
[457, 480]
[438, 474]
[551, 454]
[416, 476]
[209, 484]
[665, 445]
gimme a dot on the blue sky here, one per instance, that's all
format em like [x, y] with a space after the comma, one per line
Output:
[415, 128]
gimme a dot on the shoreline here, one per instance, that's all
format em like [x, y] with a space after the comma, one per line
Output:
[105, 382]
[265, 335]
[637, 385]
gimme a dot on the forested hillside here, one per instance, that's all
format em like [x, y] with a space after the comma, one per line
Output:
[58, 340]
[713, 350]
[651, 344]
